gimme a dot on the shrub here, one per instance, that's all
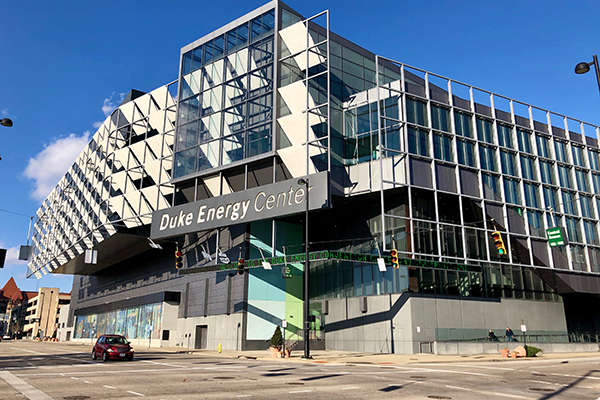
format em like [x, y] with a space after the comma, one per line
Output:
[532, 351]
[277, 338]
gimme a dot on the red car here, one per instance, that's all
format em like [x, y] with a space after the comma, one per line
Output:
[112, 347]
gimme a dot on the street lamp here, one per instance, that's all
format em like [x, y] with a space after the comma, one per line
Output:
[584, 67]
[7, 122]
[304, 182]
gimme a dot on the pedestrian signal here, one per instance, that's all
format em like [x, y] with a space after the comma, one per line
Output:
[394, 255]
[240, 266]
[178, 260]
[499, 243]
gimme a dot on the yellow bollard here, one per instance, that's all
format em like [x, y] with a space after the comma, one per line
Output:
[219, 348]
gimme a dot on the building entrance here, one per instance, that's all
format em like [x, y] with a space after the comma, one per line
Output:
[201, 336]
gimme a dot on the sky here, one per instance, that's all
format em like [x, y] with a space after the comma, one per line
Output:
[65, 65]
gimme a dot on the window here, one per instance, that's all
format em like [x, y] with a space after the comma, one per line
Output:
[531, 195]
[486, 158]
[527, 168]
[511, 191]
[596, 181]
[507, 160]
[569, 202]
[543, 146]
[524, 140]
[564, 176]
[536, 223]
[462, 124]
[440, 118]
[577, 156]
[591, 232]
[442, 147]
[550, 199]
[466, 153]
[573, 233]
[587, 209]
[582, 182]
[415, 112]
[418, 141]
[561, 151]
[484, 130]
[594, 157]
[491, 186]
[547, 172]
[505, 136]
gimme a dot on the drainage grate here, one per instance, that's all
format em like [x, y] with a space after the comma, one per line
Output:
[418, 377]
[542, 390]
[439, 397]
[295, 383]
[76, 397]
[224, 377]
[535, 374]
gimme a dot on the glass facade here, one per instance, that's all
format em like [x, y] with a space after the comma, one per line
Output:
[225, 110]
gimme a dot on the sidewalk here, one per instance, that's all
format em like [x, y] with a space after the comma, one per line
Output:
[350, 357]
[353, 357]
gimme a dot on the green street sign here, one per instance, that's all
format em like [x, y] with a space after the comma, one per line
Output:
[556, 237]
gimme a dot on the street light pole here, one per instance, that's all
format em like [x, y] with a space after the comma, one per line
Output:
[306, 272]
[584, 67]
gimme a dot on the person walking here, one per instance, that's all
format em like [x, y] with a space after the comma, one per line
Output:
[509, 335]
[492, 336]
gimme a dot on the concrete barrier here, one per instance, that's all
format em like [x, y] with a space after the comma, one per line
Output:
[474, 348]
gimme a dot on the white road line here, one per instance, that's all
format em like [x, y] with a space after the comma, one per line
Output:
[481, 366]
[511, 395]
[456, 387]
[168, 365]
[23, 387]
[136, 393]
[244, 395]
[350, 388]
[109, 387]
[548, 383]
[300, 391]
[577, 376]
[91, 383]
[74, 378]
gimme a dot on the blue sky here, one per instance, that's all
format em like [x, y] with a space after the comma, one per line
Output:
[65, 64]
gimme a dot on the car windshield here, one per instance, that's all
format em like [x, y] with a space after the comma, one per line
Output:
[116, 340]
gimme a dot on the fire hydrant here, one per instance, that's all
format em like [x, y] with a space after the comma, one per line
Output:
[219, 348]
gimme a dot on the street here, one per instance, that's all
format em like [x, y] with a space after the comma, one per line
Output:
[46, 370]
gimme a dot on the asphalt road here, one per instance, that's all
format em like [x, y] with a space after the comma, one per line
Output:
[41, 371]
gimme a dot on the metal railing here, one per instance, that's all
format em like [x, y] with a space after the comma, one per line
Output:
[542, 338]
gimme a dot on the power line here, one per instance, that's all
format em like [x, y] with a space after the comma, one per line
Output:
[16, 213]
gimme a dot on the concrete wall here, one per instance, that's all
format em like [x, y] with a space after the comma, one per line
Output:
[466, 348]
[224, 329]
[410, 323]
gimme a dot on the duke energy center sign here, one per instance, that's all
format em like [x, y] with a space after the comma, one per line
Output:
[274, 200]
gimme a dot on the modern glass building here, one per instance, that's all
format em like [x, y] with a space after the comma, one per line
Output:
[392, 156]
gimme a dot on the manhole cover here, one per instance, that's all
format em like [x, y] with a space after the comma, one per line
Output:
[541, 390]
[76, 397]
[439, 397]
[294, 383]
[224, 377]
[538, 374]
[418, 377]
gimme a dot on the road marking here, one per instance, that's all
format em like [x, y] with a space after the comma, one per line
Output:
[136, 393]
[244, 395]
[74, 378]
[577, 376]
[91, 383]
[457, 387]
[511, 395]
[300, 391]
[350, 388]
[23, 387]
[548, 383]
[168, 365]
[110, 387]
[32, 364]
[481, 366]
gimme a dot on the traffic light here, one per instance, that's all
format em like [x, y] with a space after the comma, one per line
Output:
[240, 266]
[394, 254]
[499, 243]
[178, 260]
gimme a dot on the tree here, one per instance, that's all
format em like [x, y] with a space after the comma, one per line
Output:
[277, 338]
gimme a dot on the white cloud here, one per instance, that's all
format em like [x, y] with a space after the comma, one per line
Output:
[97, 124]
[109, 104]
[49, 166]
[12, 257]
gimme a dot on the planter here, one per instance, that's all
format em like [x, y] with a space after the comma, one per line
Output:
[504, 353]
[275, 352]
[288, 353]
[514, 354]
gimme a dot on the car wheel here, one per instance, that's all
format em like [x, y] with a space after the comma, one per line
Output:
[105, 356]
[94, 356]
